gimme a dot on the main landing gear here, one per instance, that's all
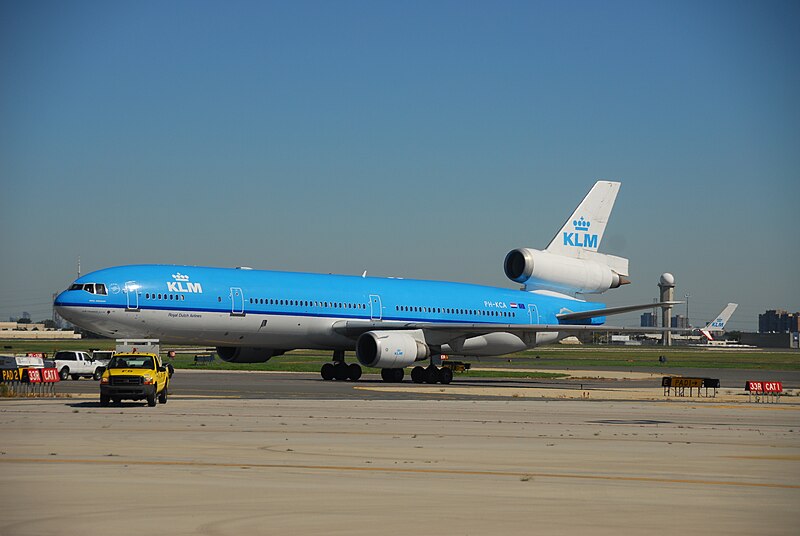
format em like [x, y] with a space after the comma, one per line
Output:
[431, 374]
[339, 370]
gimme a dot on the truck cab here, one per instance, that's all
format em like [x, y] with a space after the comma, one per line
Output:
[134, 376]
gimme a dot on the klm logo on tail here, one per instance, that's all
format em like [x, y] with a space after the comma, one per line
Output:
[581, 237]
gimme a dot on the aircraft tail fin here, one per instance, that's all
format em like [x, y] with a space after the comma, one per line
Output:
[718, 325]
[583, 230]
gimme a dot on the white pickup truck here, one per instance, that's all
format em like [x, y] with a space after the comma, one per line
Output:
[74, 365]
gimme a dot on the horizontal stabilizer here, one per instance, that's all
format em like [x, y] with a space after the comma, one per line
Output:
[583, 315]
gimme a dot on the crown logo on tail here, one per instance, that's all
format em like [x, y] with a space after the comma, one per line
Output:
[581, 224]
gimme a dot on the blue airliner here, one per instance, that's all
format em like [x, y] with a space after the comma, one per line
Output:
[253, 315]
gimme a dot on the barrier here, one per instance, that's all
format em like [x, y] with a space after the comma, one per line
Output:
[677, 385]
[767, 392]
[201, 359]
[29, 381]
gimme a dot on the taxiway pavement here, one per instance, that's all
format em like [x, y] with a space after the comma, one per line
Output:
[374, 461]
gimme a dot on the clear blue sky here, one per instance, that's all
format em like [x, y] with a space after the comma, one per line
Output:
[415, 139]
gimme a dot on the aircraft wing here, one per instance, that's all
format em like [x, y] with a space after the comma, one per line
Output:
[583, 315]
[354, 328]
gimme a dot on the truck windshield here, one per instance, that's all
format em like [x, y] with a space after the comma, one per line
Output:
[129, 361]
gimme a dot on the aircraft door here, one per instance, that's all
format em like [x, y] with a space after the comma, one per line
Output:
[376, 312]
[132, 295]
[533, 314]
[237, 301]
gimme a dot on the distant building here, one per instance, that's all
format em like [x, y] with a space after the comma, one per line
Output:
[648, 320]
[778, 321]
[679, 321]
[772, 340]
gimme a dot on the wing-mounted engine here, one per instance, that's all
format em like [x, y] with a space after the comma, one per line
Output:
[241, 354]
[391, 349]
[588, 273]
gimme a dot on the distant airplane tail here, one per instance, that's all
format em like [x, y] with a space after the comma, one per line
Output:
[718, 325]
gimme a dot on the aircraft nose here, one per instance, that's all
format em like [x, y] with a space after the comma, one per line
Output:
[59, 301]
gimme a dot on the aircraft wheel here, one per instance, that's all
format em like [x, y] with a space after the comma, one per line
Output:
[354, 371]
[445, 375]
[340, 371]
[418, 374]
[432, 374]
[392, 375]
[327, 371]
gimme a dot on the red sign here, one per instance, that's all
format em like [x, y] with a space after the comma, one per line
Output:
[765, 387]
[50, 375]
[36, 354]
[34, 376]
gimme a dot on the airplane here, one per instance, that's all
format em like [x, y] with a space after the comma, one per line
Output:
[251, 316]
[718, 325]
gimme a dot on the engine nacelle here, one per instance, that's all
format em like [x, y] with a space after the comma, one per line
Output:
[240, 354]
[391, 349]
[543, 270]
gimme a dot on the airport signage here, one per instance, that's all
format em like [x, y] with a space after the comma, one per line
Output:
[764, 387]
[12, 375]
[687, 382]
[50, 375]
[34, 375]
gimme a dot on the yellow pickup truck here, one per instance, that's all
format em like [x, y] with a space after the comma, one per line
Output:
[134, 376]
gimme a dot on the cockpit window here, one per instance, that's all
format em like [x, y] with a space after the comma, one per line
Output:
[91, 288]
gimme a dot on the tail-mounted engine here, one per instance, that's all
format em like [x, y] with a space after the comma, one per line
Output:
[542, 270]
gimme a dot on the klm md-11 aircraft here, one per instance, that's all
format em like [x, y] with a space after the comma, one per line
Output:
[251, 316]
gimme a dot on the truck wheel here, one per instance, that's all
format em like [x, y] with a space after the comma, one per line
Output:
[445, 375]
[64, 374]
[104, 400]
[162, 396]
[96, 376]
[151, 399]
